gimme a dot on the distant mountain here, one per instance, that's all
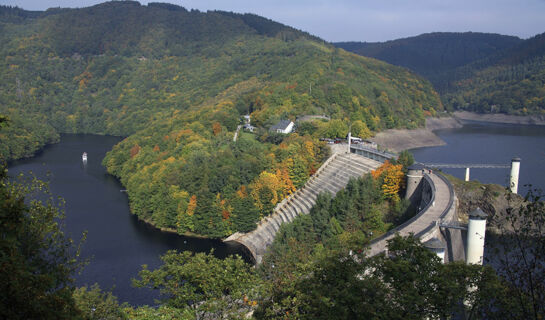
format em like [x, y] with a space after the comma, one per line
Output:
[176, 83]
[472, 71]
[434, 55]
[509, 81]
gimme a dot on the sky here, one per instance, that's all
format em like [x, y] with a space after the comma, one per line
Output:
[367, 20]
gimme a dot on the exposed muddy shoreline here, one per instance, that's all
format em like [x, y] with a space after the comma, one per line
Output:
[500, 118]
[402, 139]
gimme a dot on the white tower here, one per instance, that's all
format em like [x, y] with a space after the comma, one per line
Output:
[436, 246]
[476, 230]
[514, 181]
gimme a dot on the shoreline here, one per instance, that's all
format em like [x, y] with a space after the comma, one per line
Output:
[397, 140]
[538, 120]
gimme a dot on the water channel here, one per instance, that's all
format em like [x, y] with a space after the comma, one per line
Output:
[117, 242]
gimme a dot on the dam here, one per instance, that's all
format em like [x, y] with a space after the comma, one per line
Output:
[431, 194]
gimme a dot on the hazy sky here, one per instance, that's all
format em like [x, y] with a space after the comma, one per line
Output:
[368, 20]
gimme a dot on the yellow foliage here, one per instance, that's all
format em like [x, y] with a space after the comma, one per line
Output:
[393, 179]
[270, 181]
[192, 205]
[309, 147]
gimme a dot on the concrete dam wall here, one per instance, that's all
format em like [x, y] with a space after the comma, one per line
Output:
[331, 177]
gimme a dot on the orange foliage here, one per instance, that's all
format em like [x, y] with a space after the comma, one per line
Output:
[287, 184]
[291, 86]
[242, 192]
[222, 204]
[225, 214]
[192, 205]
[183, 133]
[135, 150]
[216, 128]
[392, 176]
[156, 148]
[312, 169]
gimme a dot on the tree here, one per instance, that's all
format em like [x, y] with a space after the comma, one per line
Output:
[391, 177]
[96, 304]
[202, 282]
[406, 159]
[520, 255]
[360, 129]
[37, 260]
[336, 128]
[408, 283]
[245, 214]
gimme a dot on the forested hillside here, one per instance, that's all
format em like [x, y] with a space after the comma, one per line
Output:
[176, 83]
[434, 55]
[511, 81]
[472, 71]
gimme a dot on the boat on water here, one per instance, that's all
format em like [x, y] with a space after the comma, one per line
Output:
[84, 157]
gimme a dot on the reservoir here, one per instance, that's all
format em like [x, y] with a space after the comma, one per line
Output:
[117, 242]
[479, 142]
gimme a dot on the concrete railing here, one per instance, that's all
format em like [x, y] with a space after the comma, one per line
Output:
[425, 224]
[412, 219]
[371, 153]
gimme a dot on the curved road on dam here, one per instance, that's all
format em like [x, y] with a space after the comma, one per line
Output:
[426, 224]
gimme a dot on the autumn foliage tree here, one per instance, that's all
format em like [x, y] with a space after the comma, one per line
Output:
[268, 190]
[392, 179]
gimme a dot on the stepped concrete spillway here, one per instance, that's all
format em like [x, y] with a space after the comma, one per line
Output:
[331, 177]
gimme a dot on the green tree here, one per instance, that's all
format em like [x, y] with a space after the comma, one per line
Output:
[202, 282]
[336, 128]
[245, 214]
[406, 159]
[360, 129]
[37, 260]
[96, 304]
[519, 252]
[408, 283]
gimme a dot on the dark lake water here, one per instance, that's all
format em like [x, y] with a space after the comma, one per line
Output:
[117, 243]
[479, 142]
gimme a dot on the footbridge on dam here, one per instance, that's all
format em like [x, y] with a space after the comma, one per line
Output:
[432, 195]
[514, 166]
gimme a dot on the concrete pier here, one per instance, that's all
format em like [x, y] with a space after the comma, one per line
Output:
[514, 179]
